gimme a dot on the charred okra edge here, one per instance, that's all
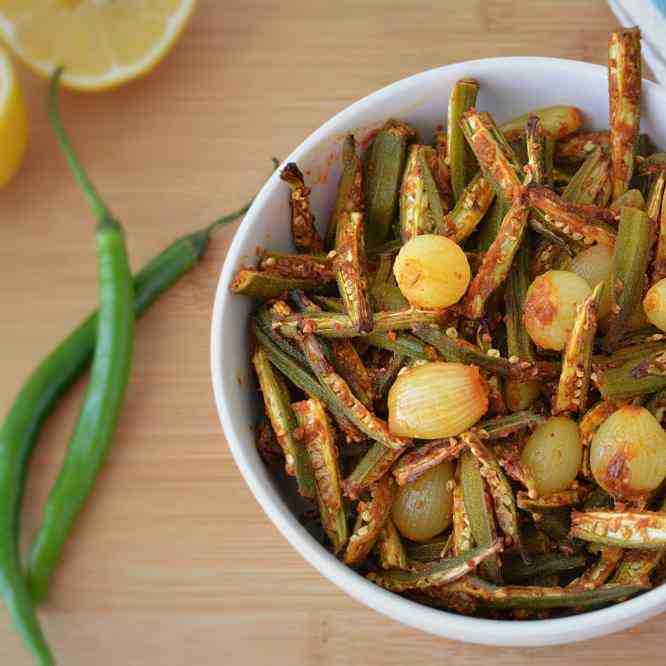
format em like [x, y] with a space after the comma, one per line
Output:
[305, 235]
[624, 93]
[350, 188]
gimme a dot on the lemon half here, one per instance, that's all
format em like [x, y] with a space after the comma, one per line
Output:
[101, 43]
[13, 121]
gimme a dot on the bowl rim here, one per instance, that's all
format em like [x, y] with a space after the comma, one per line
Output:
[434, 621]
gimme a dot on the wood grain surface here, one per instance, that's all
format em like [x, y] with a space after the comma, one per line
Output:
[173, 562]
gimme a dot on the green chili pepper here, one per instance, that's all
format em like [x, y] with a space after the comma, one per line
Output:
[55, 374]
[90, 441]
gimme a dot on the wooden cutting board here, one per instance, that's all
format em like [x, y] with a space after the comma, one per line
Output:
[173, 562]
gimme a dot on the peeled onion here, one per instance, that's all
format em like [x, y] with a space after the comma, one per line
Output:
[436, 400]
[553, 454]
[628, 452]
[422, 508]
[432, 271]
[550, 307]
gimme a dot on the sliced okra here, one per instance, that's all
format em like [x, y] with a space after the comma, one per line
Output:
[519, 394]
[496, 403]
[479, 510]
[404, 344]
[371, 518]
[498, 259]
[565, 220]
[515, 570]
[503, 426]
[439, 167]
[373, 466]
[349, 364]
[508, 457]
[535, 142]
[390, 339]
[547, 233]
[391, 551]
[305, 235]
[471, 206]
[557, 122]
[606, 192]
[417, 462]
[572, 389]
[436, 573]
[356, 412]
[318, 437]
[438, 179]
[384, 376]
[653, 366]
[296, 371]
[548, 159]
[632, 198]
[548, 504]
[607, 217]
[588, 181]
[629, 268]
[626, 380]
[337, 325]
[421, 209]
[350, 267]
[498, 485]
[491, 223]
[510, 597]
[264, 285]
[455, 349]
[494, 154]
[281, 416]
[599, 572]
[430, 550]
[643, 530]
[656, 210]
[624, 94]
[350, 188]
[346, 360]
[461, 532]
[576, 147]
[462, 98]
[298, 266]
[637, 566]
[381, 179]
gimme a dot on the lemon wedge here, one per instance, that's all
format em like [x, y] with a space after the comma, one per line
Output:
[101, 43]
[13, 121]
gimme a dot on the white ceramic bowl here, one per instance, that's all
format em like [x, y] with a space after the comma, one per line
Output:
[509, 87]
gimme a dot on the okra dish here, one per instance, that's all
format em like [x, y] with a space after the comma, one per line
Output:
[465, 375]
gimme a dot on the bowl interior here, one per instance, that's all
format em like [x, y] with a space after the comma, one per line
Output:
[508, 87]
